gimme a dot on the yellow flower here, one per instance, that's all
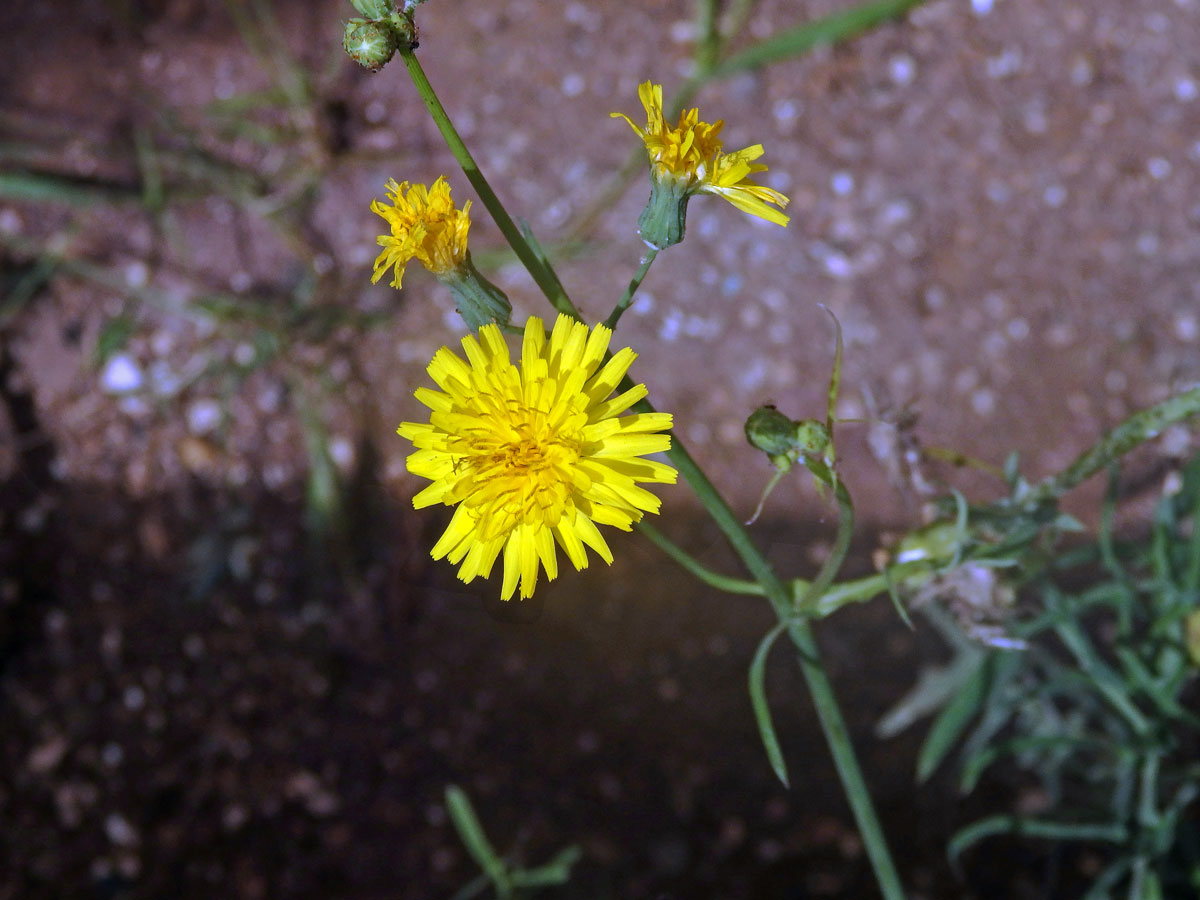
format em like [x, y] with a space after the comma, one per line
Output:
[426, 227]
[690, 156]
[537, 456]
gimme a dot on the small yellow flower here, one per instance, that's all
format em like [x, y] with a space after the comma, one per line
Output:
[690, 155]
[426, 227]
[537, 456]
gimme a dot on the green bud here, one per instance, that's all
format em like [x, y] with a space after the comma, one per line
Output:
[478, 301]
[784, 440]
[663, 221]
[369, 44]
[935, 544]
[374, 9]
[771, 431]
[812, 438]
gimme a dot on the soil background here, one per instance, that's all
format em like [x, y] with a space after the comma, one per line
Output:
[216, 681]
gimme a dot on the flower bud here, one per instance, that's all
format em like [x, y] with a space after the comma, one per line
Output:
[770, 431]
[370, 44]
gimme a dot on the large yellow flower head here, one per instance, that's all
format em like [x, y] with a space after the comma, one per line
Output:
[690, 157]
[426, 226]
[535, 456]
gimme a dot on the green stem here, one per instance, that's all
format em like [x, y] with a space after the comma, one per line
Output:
[1147, 819]
[538, 268]
[634, 284]
[837, 556]
[820, 688]
[708, 36]
[794, 42]
[1137, 429]
[686, 561]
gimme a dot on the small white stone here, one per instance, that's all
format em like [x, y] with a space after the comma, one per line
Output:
[643, 303]
[785, 111]
[842, 183]
[341, 451]
[134, 698]
[902, 68]
[1054, 196]
[982, 7]
[136, 274]
[573, 84]
[203, 416]
[1158, 167]
[1018, 329]
[375, 112]
[10, 221]
[1186, 90]
[120, 375]
[983, 401]
[119, 831]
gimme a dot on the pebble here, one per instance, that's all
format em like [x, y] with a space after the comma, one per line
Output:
[120, 375]
[120, 831]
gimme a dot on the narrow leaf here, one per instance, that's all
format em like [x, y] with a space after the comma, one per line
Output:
[831, 29]
[758, 699]
[952, 720]
[1018, 825]
[466, 823]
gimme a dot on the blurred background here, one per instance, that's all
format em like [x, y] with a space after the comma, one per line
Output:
[227, 664]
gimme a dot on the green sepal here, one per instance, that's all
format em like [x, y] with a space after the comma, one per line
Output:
[477, 300]
[663, 221]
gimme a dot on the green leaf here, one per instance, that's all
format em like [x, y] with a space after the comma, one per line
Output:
[831, 29]
[952, 720]
[762, 711]
[466, 823]
[835, 375]
[114, 334]
[557, 871]
[1019, 825]
[974, 768]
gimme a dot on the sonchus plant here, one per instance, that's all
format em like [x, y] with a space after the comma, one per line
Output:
[535, 455]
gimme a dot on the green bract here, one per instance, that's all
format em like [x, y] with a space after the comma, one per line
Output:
[370, 44]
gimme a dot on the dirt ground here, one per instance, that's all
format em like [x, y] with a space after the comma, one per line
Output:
[212, 684]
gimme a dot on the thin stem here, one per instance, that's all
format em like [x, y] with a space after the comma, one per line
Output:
[536, 265]
[797, 41]
[708, 36]
[837, 556]
[634, 284]
[1147, 819]
[686, 561]
[819, 686]
[1138, 428]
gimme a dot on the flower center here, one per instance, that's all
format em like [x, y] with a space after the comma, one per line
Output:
[520, 468]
